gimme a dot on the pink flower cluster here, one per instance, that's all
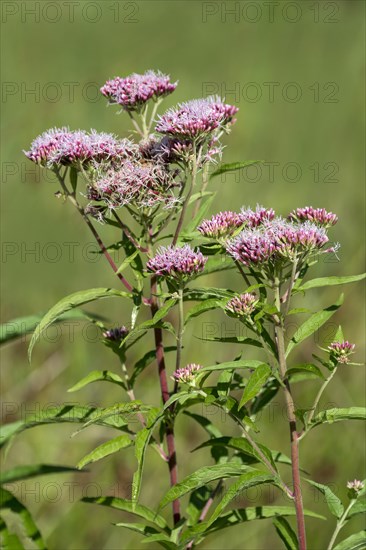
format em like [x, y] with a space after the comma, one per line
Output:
[176, 262]
[220, 225]
[60, 146]
[197, 118]
[355, 485]
[142, 184]
[242, 305]
[224, 224]
[316, 215]
[275, 240]
[187, 374]
[254, 218]
[134, 91]
[341, 350]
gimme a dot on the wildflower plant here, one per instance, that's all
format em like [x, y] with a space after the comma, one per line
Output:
[154, 191]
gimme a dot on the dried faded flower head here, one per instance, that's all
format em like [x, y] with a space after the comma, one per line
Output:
[140, 184]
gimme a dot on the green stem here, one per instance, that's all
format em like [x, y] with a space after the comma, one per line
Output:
[290, 406]
[203, 189]
[132, 397]
[186, 200]
[180, 334]
[317, 399]
[289, 290]
[340, 524]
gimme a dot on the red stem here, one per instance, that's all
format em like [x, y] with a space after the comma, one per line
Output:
[159, 346]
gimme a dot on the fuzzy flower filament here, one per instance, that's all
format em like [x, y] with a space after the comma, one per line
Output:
[62, 147]
[196, 120]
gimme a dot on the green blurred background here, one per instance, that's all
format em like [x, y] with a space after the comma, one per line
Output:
[296, 70]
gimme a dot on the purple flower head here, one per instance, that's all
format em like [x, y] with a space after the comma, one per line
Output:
[316, 215]
[196, 119]
[142, 184]
[252, 247]
[355, 486]
[134, 91]
[176, 262]
[220, 225]
[187, 374]
[242, 305]
[72, 148]
[341, 351]
[254, 218]
[116, 334]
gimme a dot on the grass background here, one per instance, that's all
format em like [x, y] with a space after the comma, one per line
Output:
[319, 48]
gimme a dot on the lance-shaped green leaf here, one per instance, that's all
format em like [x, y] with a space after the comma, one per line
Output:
[286, 533]
[202, 294]
[333, 502]
[243, 446]
[131, 507]
[307, 369]
[126, 411]
[10, 541]
[26, 472]
[354, 542]
[243, 515]
[331, 281]
[200, 478]
[96, 376]
[335, 415]
[313, 324]
[127, 261]
[215, 264]
[55, 415]
[203, 307]
[141, 442]
[162, 539]
[358, 508]
[9, 502]
[255, 383]
[231, 365]
[233, 340]
[20, 327]
[244, 482]
[205, 205]
[233, 167]
[106, 449]
[68, 303]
